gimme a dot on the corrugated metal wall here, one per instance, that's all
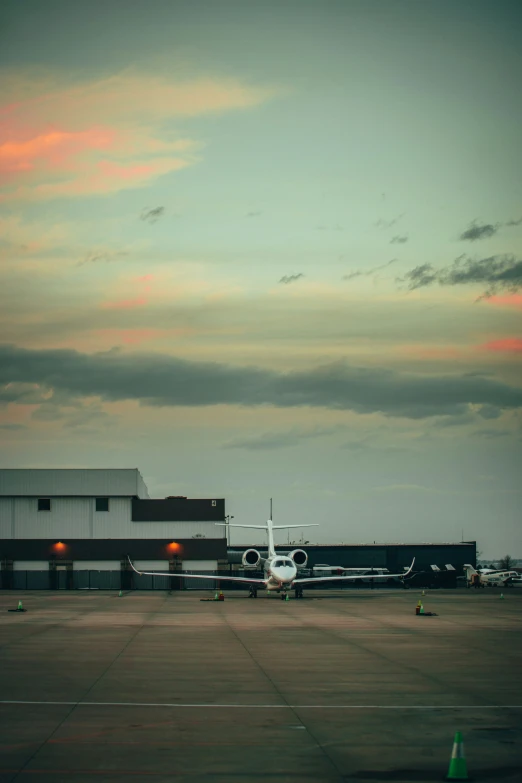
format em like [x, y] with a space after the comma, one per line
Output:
[76, 517]
[31, 565]
[6, 517]
[97, 565]
[69, 517]
[43, 483]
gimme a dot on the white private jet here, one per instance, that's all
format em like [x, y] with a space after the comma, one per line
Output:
[280, 571]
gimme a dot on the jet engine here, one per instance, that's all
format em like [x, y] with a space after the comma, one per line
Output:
[251, 557]
[299, 557]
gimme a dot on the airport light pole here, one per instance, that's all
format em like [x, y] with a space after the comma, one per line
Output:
[228, 518]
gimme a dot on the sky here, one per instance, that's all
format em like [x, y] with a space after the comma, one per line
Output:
[269, 249]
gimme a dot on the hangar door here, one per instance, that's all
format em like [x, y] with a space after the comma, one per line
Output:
[199, 567]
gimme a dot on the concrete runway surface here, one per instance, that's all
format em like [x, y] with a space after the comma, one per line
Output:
[341, 686]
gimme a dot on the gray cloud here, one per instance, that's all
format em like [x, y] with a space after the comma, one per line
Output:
[102, 255]
[480, 231]
[152, 215]
[381, 223]
[499, 272]
[367, 273]
[253, 214]
[489, 412]
[268, 441]
[490, 434]
[162, 380]
[514, 222]
[398, 240]
[13, 427]
[286, 279]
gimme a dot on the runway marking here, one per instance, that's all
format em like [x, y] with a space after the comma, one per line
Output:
[272, 706]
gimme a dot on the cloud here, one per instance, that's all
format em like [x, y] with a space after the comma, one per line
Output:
[510, 300]
[161, 380]
[479, 231]
[489, 412]
[490, 434]
[360, 273]
[102, 255]
[152, 215]
[514, 222]
[268, 441]
[506, 345]
[286, 279]
[253, 214]
[61, 136]
[13, 427]
[499, 272]
[398, 240]
[381, 223]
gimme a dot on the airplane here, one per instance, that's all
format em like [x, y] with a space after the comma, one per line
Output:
[489, 577]
[280, 571]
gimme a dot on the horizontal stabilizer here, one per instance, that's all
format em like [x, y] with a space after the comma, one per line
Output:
[226, 524]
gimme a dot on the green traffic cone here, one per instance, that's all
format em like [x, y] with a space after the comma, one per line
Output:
[457, 768]
[120, 594]
[287, 598]
[20, 607]
[216, 597]
[422, 609]
[502, 595]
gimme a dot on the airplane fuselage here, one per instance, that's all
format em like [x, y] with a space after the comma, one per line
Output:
[279, 572]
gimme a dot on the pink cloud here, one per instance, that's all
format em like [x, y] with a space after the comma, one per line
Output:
[509, 300]
[505, 345]
[51, 147]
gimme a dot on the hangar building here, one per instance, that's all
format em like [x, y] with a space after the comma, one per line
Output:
[74, 528]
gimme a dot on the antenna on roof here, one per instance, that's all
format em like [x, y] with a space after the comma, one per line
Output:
[270, 508]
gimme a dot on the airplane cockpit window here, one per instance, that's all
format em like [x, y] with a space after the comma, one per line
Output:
[278, 563]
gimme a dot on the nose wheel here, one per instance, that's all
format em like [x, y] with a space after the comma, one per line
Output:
[252, 593]
[298, 592]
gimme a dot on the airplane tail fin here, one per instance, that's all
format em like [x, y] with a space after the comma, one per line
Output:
[468, 568]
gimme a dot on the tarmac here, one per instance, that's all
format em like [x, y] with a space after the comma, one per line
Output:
[340, 686]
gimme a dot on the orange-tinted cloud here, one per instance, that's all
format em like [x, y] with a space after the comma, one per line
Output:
[509, 300]
[506, 345]
[51, 147]
[53, 134]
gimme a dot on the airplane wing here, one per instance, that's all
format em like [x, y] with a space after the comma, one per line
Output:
[198, 576]
[314, 580]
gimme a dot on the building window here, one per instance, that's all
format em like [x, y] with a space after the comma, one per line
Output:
[102, 504]
[44, 504]
[213, 502]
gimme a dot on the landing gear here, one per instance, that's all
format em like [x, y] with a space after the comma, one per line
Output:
[252, 592]
[298, 592]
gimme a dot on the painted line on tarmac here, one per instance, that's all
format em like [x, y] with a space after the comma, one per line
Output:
[273, 706]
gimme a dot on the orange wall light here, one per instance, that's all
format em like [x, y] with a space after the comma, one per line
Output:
[59, 547]
[173, 548]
